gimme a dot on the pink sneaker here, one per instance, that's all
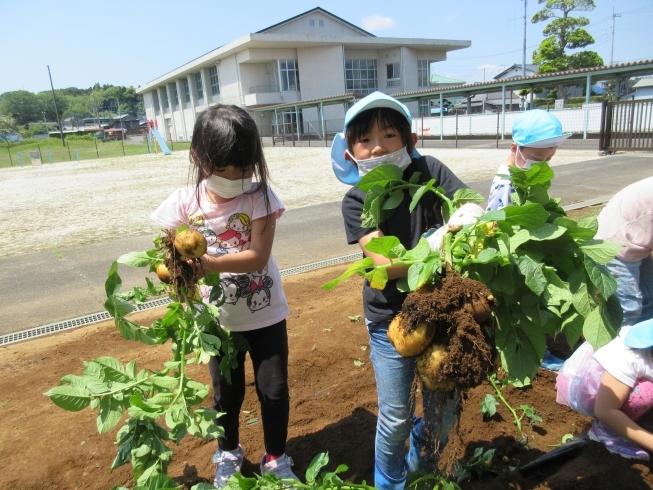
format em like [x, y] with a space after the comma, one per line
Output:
[281, 467]
[614, 443]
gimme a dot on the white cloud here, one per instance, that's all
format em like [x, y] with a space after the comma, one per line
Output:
[377, 23]
[487, 66]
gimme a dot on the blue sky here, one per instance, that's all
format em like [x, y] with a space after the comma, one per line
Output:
[131, 43]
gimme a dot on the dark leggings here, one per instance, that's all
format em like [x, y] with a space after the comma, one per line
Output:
[269, 356]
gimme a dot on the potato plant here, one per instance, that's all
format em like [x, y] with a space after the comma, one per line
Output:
[162, 406]
[545, 270]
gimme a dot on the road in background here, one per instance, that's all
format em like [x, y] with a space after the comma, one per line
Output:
[47, 287]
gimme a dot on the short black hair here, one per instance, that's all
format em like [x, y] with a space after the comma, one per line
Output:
[385, 118]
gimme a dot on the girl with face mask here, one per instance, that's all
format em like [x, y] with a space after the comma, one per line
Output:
[536, 136]
[226, 154]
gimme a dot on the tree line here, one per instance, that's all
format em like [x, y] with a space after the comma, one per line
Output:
[24, 107]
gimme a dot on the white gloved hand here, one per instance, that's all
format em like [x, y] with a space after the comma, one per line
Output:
[464, 215]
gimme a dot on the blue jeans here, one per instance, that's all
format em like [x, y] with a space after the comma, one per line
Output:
[634, 288]
[394, 378]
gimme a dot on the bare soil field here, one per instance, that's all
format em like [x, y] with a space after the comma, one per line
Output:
[333, 408]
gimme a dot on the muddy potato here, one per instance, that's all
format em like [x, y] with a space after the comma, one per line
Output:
[409, 344]
[479, 308]
[429, 365]
[163, 273]
[190, 244]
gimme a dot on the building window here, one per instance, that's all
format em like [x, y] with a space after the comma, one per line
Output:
[155, 101]
[321, 23]
[392, 75]
[361, 76]
[176, 94]
[425, 108]
[311, 22]
[423, 73]
[187, 90]
[215, 81]
[289, 75]
[200, 87]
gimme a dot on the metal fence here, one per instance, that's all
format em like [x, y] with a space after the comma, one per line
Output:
[627, 125]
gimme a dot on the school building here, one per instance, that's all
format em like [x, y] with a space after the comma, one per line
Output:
[313, 55]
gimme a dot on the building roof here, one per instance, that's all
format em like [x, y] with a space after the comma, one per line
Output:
[316, 9]
[517, 66]
[441, 80]
[644, 82]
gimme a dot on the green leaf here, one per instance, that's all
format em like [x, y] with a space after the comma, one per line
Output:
[601, 251]
[109, 415]
[489, 406]
[595, 330]
[414, 272]
[69, 398]
[572, 327]
[379, 176]
[530, 215]
[131, 331]
[378, 278]
[393, 200]
[530, 413]
[488, 255]
[600, 277]
[518, 355]
[113, 369]
[419, 193]
[582, 301]
[315, 466]
[383, 245]
[138, 259]
[462, 196]
[533, 275]
[117, 307]
[165, 382]
[498, 215]
[612, 313]
[590, 222]
[574, 230]
[539, 173]
[113, 282]
[547, 231]
[357, 267]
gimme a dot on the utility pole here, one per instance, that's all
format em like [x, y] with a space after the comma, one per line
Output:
[56, 111]
[614, 16]
[523, 66]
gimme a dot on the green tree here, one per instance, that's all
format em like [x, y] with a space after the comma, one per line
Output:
[7, 128]
[564, 33]
[23, 106]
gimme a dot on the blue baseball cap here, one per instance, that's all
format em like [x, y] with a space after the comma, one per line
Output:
[346, 172]
[538, 129]
[640, 335]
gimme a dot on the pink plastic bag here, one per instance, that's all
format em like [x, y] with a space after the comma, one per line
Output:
[578, 381]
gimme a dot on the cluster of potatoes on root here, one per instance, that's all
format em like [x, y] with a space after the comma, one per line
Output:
[417, 342]
[190, 244]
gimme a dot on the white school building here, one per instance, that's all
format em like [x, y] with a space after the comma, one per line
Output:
[313, 55]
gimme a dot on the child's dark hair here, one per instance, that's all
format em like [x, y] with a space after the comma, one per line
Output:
[385, 118]
[226, 135]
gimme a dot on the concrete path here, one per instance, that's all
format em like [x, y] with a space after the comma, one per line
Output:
[47, 287]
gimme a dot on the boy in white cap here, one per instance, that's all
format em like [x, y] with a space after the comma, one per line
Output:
[536, 136]
[378, 131]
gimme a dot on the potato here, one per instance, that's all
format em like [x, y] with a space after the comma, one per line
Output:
[428, 367]
[409, 344]
[479, 308]
[163, 273]
[191, 244]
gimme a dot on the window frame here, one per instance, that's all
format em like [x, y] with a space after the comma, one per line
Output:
[361, 76]
[199, 86]
[395, 79]
[215, 80]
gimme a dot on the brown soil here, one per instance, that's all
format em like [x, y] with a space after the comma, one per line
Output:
[333, 406]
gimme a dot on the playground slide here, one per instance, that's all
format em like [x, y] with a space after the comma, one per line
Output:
[161, 141]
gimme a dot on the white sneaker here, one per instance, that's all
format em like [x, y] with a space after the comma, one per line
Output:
[228, 463]
[280, 467]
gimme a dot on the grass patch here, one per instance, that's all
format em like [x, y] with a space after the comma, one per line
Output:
[52, 151]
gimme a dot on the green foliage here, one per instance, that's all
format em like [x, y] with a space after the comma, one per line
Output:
[526, 410]
[152, 398]
[479, 464]
[545, 270]
[80, 137]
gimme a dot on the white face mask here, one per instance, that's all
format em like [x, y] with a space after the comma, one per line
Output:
[226, 188]
[527, 161]
[399, 158]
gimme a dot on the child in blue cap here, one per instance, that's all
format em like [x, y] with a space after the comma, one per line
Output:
[378, 131]
[536, 136]
[615, 385]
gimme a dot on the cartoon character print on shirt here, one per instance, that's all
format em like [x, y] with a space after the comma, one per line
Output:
[241, 224]
[230, 239]
[259, 287]
[235, 288]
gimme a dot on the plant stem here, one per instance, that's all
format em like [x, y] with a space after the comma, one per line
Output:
[497, 390]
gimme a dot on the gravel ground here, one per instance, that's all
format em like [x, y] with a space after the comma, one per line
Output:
[74, 203]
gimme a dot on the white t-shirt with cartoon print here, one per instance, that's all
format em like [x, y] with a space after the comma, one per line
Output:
[254, 300]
